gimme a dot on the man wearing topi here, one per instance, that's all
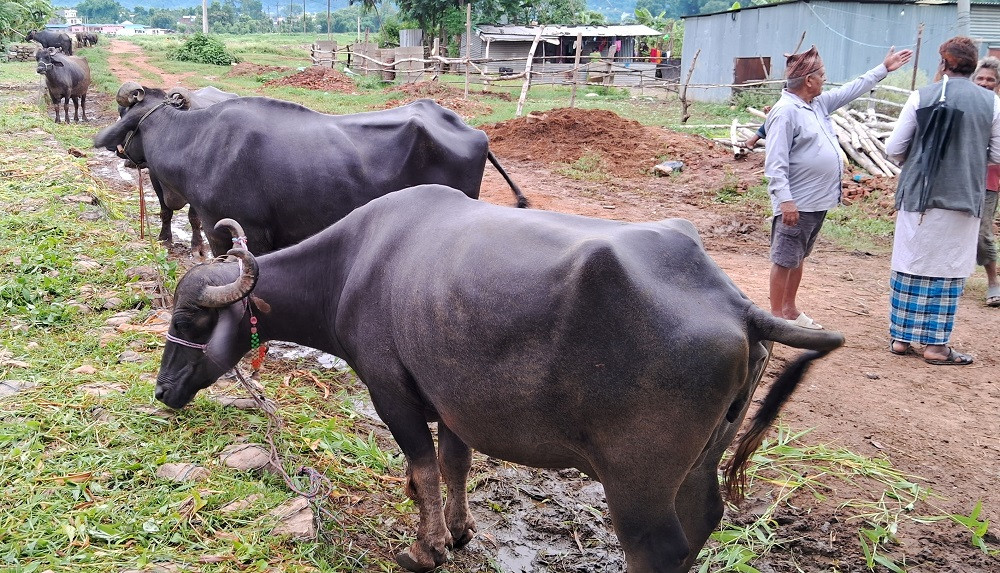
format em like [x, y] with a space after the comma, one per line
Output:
[802, 164]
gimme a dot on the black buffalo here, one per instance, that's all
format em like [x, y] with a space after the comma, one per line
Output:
[85, 39]
[285, 171]
[131, 94]
[541, 338]
[52, 39]
[66, 78]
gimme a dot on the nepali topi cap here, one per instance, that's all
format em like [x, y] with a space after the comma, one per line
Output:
[801, 65]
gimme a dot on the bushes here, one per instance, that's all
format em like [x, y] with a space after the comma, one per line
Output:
[203, 49]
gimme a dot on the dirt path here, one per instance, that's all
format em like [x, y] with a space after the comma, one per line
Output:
[128, 62]
[938, 423]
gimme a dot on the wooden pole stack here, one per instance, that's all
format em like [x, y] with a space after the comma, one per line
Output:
[861, 136]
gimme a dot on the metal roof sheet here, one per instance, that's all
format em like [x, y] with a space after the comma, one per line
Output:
[523, 33]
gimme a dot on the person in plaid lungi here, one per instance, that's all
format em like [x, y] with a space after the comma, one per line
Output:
[939, 204]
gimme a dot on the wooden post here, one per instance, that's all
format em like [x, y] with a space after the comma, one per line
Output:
[916, 56]
[576, 67]
[436, 49]
[684, 102]
[468, 45]
[527, 71]
[799, 45]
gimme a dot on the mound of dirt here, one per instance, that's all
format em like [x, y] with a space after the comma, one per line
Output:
[627, 148]
[465, 108]
[317, 78]
[248, 69]
[433, 90]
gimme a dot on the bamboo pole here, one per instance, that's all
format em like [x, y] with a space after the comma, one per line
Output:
[683, 95]
[576, 67]
[916, 56]
[468, 45]
[527, 72]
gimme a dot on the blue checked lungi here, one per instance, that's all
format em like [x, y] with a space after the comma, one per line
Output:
[922, 309]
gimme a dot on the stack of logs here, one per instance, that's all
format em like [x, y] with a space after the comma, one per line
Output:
[862, 138]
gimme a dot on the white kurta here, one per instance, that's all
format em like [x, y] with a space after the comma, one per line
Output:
[942, 244]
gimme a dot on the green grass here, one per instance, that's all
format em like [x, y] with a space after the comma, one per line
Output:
[856, 227]
[590, 167]
[799, 475]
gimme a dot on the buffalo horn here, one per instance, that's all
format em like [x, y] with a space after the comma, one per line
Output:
[130, 94]
[230, 225]
[179, 97]
[219, 296]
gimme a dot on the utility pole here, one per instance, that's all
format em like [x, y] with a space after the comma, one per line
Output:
[329, 34]
[204, 17]
[303, 16]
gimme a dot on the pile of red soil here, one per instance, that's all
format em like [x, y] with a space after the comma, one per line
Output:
[465, 108]
[248, 69]
[876, 194]
[627, 148]
[447, 96]
[317, 78]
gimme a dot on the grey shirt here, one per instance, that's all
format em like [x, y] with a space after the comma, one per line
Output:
[802, 158]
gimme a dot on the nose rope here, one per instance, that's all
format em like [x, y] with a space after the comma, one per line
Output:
[128, 137]
[182, 342]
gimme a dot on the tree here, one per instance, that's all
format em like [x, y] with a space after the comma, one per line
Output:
[105, 11]
[19, 16]
[163, 19]
[428, 14]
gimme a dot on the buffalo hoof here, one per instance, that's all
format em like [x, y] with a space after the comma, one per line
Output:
[463, 539]
[407, 561]
[413, 559]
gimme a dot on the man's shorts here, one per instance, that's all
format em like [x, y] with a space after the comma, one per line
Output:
[791, 245]
[986, 250]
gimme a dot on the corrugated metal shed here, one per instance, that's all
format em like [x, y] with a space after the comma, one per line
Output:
[852, 37]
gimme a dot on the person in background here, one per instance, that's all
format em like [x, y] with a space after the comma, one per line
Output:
[937, 225]
[988, 76]
[802, 164]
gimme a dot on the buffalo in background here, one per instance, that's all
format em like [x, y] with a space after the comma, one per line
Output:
[130, 94]
[85, 39]
[285, 171]
[66, 78]
[52, 39]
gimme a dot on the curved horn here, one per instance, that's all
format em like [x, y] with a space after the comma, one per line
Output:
[130, 94]
[231, 225]
[218, 296]
[179, 97]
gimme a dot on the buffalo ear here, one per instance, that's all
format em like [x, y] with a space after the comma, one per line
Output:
[260, 303]
[179, 97]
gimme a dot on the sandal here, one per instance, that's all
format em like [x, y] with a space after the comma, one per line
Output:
[953, 359]
[993, 296]
[909, 348]
[804, 321]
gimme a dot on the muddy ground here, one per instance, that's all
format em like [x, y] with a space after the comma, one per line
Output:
[937, 423]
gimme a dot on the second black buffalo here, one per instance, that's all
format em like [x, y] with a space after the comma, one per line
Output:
[286, 172]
